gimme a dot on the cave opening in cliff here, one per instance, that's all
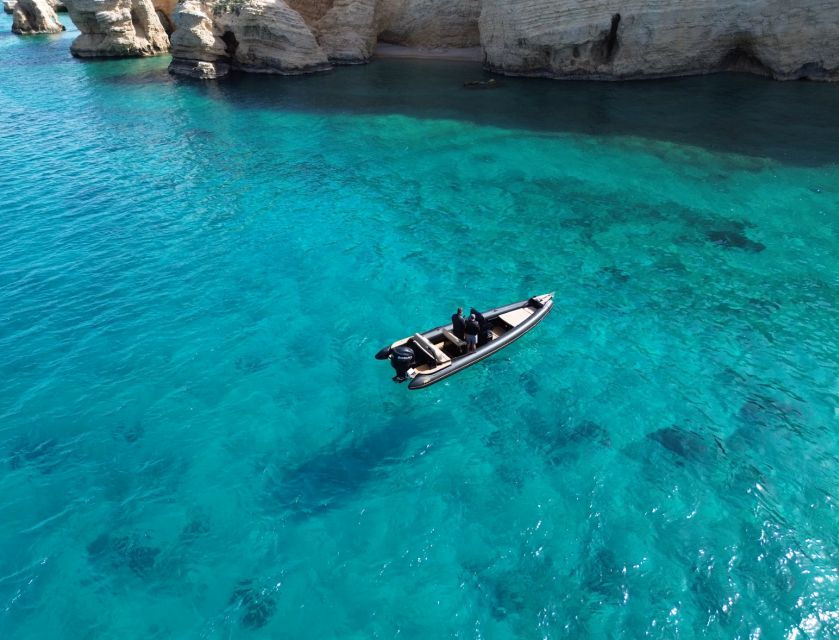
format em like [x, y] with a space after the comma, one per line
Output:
[742, 58]
[231, 44]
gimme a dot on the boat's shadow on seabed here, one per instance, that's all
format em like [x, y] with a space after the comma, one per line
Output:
[339, 472]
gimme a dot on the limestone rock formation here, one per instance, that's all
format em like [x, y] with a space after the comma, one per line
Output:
[617, 39]
[429, 23]
[601, 39]
[57, 5]
[347, 31]
[165, 10]
[304, 35]
[117, 28]
[34, 16]
[265, 36]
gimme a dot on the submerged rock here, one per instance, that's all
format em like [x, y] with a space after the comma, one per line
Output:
[604, 39]
[516, 585]
[258, 605]
[567, 443]
[735, 240]
[141, 559]
[335, 474]
[761, 414]
[615, 274]
[118, 551]
[251, 363]
[685, 444]
[689, 445]
[44, 455]
[34, 16]
[130, 431]
[117, 28]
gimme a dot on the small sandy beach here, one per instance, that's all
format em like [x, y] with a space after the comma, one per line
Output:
[471, 54]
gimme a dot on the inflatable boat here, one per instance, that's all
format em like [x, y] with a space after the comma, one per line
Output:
[428, 357]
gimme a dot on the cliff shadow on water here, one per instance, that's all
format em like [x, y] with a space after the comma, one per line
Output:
[788, 122]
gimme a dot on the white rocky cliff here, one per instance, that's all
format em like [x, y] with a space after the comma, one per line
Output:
[298, 36]
[34, 16]
[259, 35]
[617, 39]
[118, 28]
[602, 39]
[57, 5]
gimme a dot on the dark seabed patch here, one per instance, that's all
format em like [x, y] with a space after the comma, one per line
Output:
[568, 443]
[688, 445]
[257, 605]
[252, 363]
[197, 527]
[123, 551]
[735, 240]
[152, 77]
[675, 110]
[513, 587]
[764, 411]
[693, 452]
[529, 381]
[335, 475]
[614, 274]
[44, 455]
[601, 573]
[129, 431]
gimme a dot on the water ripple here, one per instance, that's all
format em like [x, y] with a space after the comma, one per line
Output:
[196, 441]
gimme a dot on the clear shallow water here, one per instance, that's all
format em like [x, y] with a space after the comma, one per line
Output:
[196, 442]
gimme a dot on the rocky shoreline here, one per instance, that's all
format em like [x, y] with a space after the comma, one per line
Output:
[30, 17]
[586, 39]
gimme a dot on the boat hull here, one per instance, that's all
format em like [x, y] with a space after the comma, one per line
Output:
[508, 324]
[423, 381]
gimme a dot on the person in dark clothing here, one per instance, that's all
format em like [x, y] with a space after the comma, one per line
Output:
[472, 329]
[458, 323]
[485, 333]
[479, 317]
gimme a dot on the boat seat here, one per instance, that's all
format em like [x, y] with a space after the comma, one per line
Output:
[432, 351]
[454, 339]
[515, 317]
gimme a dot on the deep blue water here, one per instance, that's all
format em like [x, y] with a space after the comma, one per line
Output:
[195, 440]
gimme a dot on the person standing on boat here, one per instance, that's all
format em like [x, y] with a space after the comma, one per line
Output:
[472, 330]
[485, 331]
[458, 323]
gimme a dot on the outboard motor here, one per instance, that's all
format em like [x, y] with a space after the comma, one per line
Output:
[402, 359]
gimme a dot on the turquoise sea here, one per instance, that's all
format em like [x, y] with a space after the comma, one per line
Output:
[195, 439]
